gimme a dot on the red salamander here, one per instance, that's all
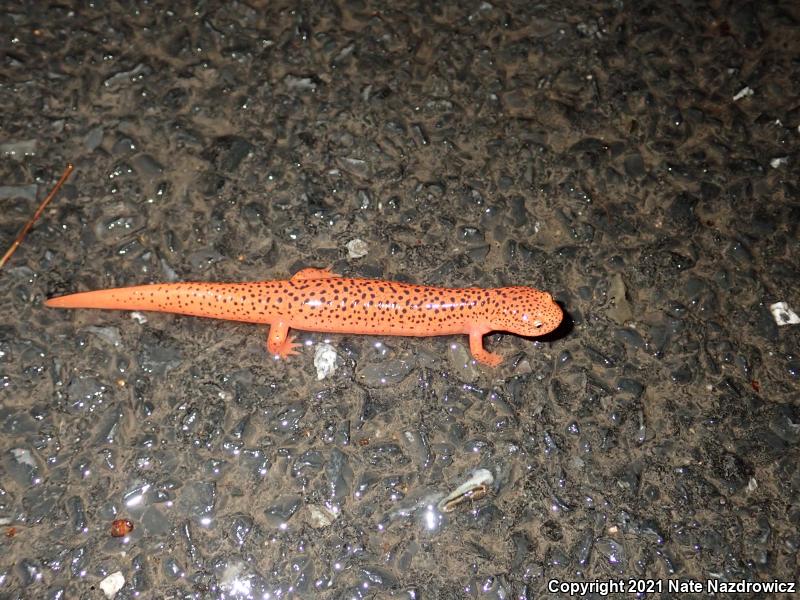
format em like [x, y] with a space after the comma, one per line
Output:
[318, 300]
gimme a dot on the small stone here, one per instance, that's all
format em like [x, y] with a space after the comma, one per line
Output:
[112, 584]
[325, 361]
[778, 162]
[783, 315]
[320, 516]
[357, 248]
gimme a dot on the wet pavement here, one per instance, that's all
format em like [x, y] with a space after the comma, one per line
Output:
[638, 160]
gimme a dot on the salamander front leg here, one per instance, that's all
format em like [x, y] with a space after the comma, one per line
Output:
[480, 353]
[279, 342]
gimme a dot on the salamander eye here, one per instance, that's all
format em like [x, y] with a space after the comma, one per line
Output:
[538, 324]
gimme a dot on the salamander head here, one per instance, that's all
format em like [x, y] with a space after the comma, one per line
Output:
[525, 311]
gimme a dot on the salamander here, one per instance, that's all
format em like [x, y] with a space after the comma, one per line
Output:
[318, 300]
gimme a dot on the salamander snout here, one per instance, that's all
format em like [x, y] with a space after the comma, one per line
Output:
[526, 311]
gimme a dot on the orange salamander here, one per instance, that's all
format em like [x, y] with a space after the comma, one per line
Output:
[318, 300]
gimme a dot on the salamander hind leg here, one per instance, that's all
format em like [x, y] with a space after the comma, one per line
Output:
[481, 354]
[279, 342]
[313, 273]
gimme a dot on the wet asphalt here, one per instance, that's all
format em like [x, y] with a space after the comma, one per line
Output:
[637, 160]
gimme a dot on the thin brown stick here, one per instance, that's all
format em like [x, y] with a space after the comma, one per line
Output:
[36, 215]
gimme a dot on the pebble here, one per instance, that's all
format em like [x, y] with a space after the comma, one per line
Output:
[783, 314]
[112, 584]
[325, 360]
[357, 248]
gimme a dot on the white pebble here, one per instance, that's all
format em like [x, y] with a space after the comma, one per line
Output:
[745, 91]
[112, 584]
[783, 315]
[778, 162]
[325, 360]
[357, 248]
[138, 317]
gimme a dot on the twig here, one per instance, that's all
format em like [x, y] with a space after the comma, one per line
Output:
[36, 215]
